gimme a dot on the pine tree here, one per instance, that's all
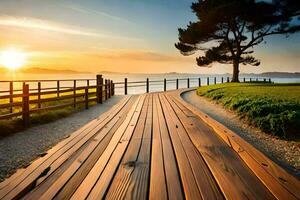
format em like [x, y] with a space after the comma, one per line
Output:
[227, 30]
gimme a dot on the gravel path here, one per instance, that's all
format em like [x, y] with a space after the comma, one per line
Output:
[18, 150]
[285, 153]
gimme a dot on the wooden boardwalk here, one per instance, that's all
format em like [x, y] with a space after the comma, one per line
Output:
[152, 146]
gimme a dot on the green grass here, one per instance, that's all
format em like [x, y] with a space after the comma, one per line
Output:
[274, 108]
[7, 127]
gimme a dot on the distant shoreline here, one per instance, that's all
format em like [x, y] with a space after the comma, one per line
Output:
[36, 71]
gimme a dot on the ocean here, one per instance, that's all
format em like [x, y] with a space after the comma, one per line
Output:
[118, 78]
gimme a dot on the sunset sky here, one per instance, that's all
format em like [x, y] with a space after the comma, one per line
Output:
[117, 35]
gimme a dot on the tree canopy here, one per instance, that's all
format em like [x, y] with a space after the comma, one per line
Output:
[227, 30]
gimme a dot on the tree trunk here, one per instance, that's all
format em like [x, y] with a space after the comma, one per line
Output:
[236, 71]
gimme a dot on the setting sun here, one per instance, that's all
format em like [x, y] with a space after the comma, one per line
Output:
[12, 58]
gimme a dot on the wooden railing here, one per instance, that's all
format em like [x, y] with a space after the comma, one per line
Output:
[25, 101]
[167, 82]
[16, 102]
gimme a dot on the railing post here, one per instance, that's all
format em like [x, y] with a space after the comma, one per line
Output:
[222, 81]
[215, 80]
[108, 88]
[269, 80]
[39, 94]
[165, 84]
[265, 80]
[199, 82]
[58, 88]
[111, 88]
[99, 88]
[86, 97]
[125, 86]
[74, 94]
[147, 85]
[227, 79]
[188, 83]
[88, 83]
[11, 93]
[105, 88]
[177, 84]
[207, 80]
[25, 109]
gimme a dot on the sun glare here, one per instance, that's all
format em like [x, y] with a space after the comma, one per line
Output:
[12, 58]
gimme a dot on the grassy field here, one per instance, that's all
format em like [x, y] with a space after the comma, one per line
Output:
[274, 108]
[15, 124]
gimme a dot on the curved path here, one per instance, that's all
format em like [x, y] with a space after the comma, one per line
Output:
[153, 146]
[286, 153]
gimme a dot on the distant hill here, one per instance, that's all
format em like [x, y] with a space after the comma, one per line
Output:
[281, 74]
[265, 74]
[36, 70]
[273, 74]
[109, 72]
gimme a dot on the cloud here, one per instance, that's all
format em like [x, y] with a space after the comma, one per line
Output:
[147, 56]
[46, 25]
[34, 23]
[96, 12]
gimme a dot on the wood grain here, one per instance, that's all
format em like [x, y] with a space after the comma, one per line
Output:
[88, 183]
[233, 176]
[173, 180]
[277, 180]
[205, 181]
[152, 146]
[105, 179]
[56, 156]
[65, 183]
[131, 177]
[189, 183]
[158, 185]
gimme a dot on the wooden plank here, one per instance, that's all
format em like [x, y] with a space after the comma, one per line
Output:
[82, 164]
[229, 170]
[39, 189]
[158, 184]
[121, 180]
[13, 176]
[272, 175]
[120, 138]
[56, 159]
[189, 183]
[10, 115]
[32, 172]
[76, 180]
[207, 187]
[174, 185]
[138, 179]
